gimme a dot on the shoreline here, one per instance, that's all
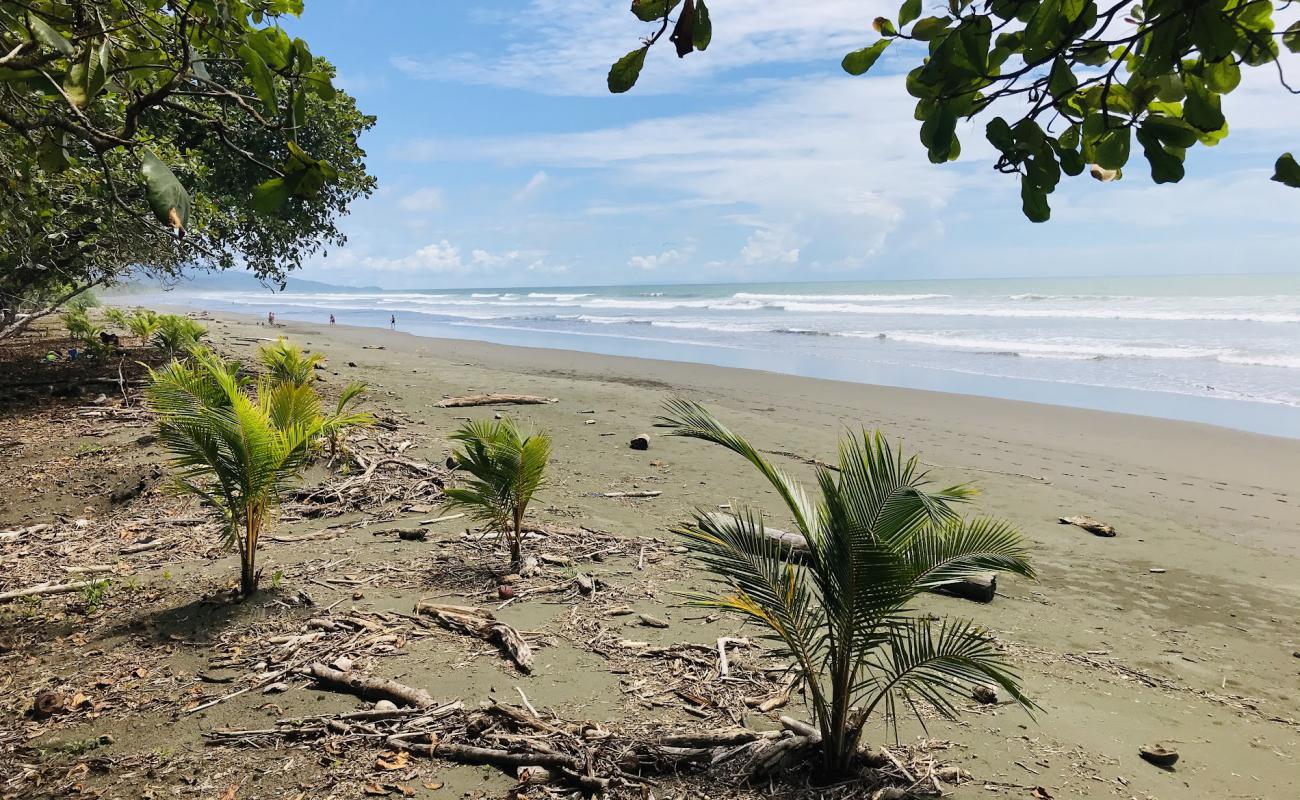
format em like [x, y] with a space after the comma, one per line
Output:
[1261, 417]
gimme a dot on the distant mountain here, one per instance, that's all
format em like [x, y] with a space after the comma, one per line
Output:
[236, 281]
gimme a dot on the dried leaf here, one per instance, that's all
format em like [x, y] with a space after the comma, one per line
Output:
[390, 761]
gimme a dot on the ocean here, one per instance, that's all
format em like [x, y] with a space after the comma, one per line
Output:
[1218, 349]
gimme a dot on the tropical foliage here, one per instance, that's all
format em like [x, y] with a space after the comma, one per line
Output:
[286, 362]
[143, 324]
[877, 537]
[506, 469]
[177, 334]
[1080, 82]
[145, 137]
[236, 450]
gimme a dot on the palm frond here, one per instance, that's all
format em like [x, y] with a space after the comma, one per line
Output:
[690, 419]
[963, 548]
[934, 665]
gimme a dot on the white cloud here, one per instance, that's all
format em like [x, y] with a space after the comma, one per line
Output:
[426, 199]
[667, 258]
[565, 48]
[534, 184]
[770, 246]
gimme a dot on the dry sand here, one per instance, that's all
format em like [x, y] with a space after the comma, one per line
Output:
[1204, 655]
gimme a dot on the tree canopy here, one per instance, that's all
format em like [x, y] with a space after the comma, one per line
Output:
[1066, 85]
[150, 135]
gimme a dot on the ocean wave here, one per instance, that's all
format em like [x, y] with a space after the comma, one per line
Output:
[834, 298]
[559, 295]
[1261, 360]
[1068, 350]
[1043, 313]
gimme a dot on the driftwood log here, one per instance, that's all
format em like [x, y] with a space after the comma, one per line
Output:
[45, 589]
[1093, 526]
[373, 689]
[494, 400]
[483, 624]
[980, 588]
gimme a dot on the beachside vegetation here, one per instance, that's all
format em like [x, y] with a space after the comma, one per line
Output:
[1081, 83]
[506, 470]
[234, 445]
[286, 362]
[141, 139]
[877, 537]
[177, 334]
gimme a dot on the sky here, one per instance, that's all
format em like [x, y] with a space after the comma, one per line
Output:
[502, 160]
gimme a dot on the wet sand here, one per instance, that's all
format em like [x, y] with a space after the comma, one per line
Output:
[1199, 655]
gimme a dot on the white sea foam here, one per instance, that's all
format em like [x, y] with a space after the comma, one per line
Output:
[833, 298]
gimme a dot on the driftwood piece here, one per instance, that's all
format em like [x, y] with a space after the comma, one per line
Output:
[370, 688]
[494, 400]
[45, 589]
[483, 624]
[980, 588]
[649, 493]
[1093, 526]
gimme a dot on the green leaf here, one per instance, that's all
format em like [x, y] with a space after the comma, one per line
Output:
[86, 75]
[998, 132]
[1110, 149]
[625, 71]
[1044, 30]
[274, 46]
[910, 10]
[50, 37]
[1222, 76]
[651, 10]
[167, 197]
[1291, 38]
[930, 27]
[1212, 33]
[1201, 108]
[859, 61]
[53, 154]
[702, 33]
[1287, 171]
[1033, 201]
[260, 77]
[302, 59]
[319, 83]
[1165, 166]
[1061, 82]
[1171, 131]
[269, 196]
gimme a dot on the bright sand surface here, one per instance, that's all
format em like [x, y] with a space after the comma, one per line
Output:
[1203, 655]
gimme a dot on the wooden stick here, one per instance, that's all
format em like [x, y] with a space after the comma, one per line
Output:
[494, 400]
[654, 493]
[45, 589]
[370, 688]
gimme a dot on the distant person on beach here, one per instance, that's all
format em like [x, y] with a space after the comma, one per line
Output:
[392, 322]
[270, 318]
[331, 319]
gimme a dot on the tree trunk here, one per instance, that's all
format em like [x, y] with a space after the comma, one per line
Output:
[516, 549]
[248, 560]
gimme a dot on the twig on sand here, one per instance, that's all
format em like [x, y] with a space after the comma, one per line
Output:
[494, 400]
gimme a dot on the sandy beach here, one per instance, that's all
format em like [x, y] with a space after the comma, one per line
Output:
[1184, 628]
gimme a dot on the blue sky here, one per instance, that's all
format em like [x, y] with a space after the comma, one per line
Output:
[503, 161]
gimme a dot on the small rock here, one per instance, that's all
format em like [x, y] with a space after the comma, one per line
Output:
[652, 621]
[413, 534]
[1159, 755]
[591, 422]
[640, 442]
[951, 774]
[352, 363]
[343, 664]
[276, 688]
[984, 694]
[385, 705]
[505, 591]
[147, 439]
